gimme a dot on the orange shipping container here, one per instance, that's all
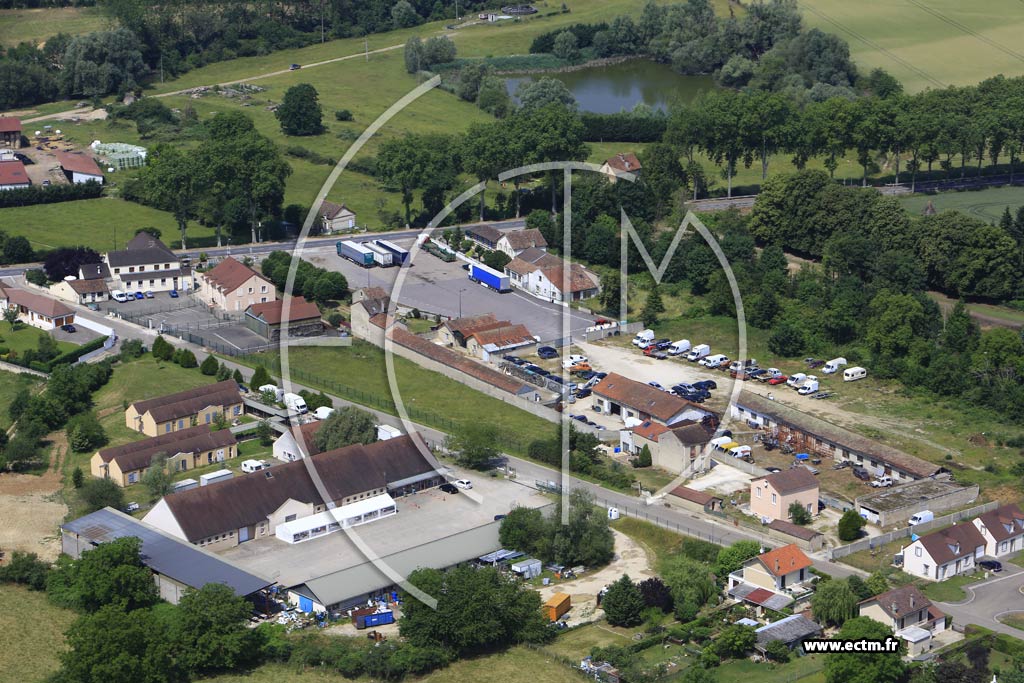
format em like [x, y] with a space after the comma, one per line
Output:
[557, 605]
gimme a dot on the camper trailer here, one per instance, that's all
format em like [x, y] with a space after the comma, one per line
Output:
[853, 374]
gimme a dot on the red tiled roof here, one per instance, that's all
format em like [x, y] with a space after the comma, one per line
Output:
[525, 239]
[625, 162]
[76, 162]
[476, 323]
[230, 274]
[641, 397]
[791, 481]
[272, 312]
[794, 530]
[506, 335]
[784, 560]
[650, 430]
[759, 596]
[10, 124]
[579, 281]
[13, 173]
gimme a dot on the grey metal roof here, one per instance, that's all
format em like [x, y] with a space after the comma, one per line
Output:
[366, 578]
[165, 554]
[788, 630]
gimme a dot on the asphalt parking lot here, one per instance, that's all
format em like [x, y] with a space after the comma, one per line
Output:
[434, 286]
[80, 336]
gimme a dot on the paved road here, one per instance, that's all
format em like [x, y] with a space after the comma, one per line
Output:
[991, 599]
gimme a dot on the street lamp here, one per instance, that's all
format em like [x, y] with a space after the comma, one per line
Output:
[460, 300]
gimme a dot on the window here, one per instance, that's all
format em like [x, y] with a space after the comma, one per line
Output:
[117, 271]
[163, 281]
[181, 424]
[133, 477]
[238, 410]
[758, 489]
[924, 570]
[131, 269]
[917, 551]
[152, 282]
[239, 293]
[263, 288]
[250, 290]
[1002, 547]
[775, 499]
[168, 427]
[290, 518]
[207, 418]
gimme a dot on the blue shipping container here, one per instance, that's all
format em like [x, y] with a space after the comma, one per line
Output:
[400, 255]
[375, 619]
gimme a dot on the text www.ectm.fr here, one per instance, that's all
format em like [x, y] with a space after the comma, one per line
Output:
[890, 644]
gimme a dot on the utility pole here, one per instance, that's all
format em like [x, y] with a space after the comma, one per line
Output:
[366, 48]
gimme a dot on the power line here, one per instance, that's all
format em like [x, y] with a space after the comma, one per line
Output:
[967, 29]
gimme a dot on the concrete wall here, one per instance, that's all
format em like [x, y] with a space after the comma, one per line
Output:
[954, 499]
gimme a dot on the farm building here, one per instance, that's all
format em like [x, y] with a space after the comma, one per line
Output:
[78, 291]
[886, 507]
[336, 217]
[302, 319]
[629, 399]
[35, 309]
[1002, 529]
[183, 450]
[284, 501]
[697, 501]
[803, 537]
[146, 264]
[456, 332]
[177, 566]
[13, 175]
[625, 162]
[184, 409]
[515, 242]
[771, 496]
[945, 553]
[233, 286]
[811, 434]
[79, 168]
[10, 132]
[548, 277]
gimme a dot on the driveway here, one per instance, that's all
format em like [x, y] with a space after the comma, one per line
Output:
[991, 599]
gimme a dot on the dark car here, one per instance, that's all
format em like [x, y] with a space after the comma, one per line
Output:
[600, 375]
[581, 418]
[174, 294]
[68, 328]
[663, 344]
[706, 384]
[140, 295]
[586, 374]
[449, 488]
[773, 470]
[465, 266]
[861, 473]
[295, 67]
[583, 393]
[547, 352]
[510, 359]
[991, 565]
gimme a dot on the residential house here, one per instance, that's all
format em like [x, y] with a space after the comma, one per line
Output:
[625, 162]
[771, 496]
[90, 286]
[792, 631]
[695, 501]
[945, 553]
[184, 450]
[179, 411]
[79, 168]
[146, 264]
[632, 400]
[360, 481]
[486, 236]
[10, 132]
[909, 613]
[457, 331]
[491, 344]
[775, 570]
[13, 175]
[336, 217]
[367, 303]
[233, 286]
[548, 277]
[515, 242]
[286, 447]
[674, 448]
[268, 319]
[1002, 529]
[36, 310]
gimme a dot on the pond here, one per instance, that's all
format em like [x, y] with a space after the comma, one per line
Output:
[616, 87]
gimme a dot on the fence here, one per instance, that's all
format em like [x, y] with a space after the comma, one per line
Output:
[888, 537]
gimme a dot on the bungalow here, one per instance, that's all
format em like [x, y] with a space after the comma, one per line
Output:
[233, 286]
[10, 132]
[13, 175]
[35, 309]
[672, 448]
[185, 450]
[697, 501]
[792, 631]
[629, 399]
[492, 343]
[909, 613]
[336, 217]
[79, 168]
[775, 570]
[485, 235]
[1002, 529]
[517, 241]
[184, 409]
[625, 162]
[771, 496]
[268, 319]
[945, 553]
[286, 448]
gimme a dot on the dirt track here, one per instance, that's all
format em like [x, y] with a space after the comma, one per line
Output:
[31, 508]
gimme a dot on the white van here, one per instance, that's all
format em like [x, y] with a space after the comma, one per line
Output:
[273, 389]
[715, 360]
[295, 403]
[853, 374]
[796, 380]
[573, 359]
[643, 337]
[323, 412]
[833, 365]
[119, 296]
[810, 386]
[697, 352]
[679, 347]
[249, 466]
[921, 518]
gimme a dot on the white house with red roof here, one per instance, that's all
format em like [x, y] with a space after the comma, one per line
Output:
[35, 309]
[1002, 529]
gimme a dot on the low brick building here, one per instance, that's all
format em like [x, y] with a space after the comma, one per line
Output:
[697, 501]
[268, 319]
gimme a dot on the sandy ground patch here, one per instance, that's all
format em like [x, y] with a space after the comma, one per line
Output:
[722, 479]
[630, 558]
[30, 508]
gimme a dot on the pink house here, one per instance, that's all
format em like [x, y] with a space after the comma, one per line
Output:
[771, 496]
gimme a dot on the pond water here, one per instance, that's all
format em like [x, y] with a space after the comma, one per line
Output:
[616, 87]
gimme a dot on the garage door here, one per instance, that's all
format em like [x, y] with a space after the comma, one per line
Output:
[243, 534]
[305, 604]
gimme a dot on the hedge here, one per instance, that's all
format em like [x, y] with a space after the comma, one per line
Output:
[74, 354]
[623, 127]
[50, 194]
[584, 33]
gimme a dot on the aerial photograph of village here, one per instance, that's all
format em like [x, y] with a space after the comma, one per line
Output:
[445, 341]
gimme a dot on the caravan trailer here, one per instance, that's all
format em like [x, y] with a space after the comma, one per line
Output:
[853, 374]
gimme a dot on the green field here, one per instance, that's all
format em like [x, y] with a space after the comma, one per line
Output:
[93, 222]
[37, 25]
[31, 634]
[926, 43]
[988, 204]
[10, 384]
[26, 337]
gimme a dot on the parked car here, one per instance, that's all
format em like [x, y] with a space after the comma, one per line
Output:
[573, 359]
[131, 507]
[861, 473]
[663, 344]
[781, 379]
[68, 328]
[149, 294]
[706, 384]
[463, 483]
[586, 374]
[580, 367]
[773, 470]
[757, 374]
[884, 481]
[993, 566]
[448, 488]
[510, 359]
[581, 418]
[583, 393]
[295, 67]
[547, 352]
[140, 296]
[684, 388]
[656, 386]
[174, 294]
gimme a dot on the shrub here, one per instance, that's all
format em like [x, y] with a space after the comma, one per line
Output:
[35, 276]
[343, 115]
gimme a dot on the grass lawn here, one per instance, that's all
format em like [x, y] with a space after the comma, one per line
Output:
[951, 590]
[660, 544]
[806, 669]
[578, 642]
[31, 634]
[926, 44]
[26, 337]
[10, 384]
[1016, 620]
[987, 204]
[95, 223]
[358, 373]
[36, 25]
[986, 314]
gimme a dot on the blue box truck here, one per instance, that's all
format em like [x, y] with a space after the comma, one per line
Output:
[355, 252]
[400, 255]
[490, 277]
